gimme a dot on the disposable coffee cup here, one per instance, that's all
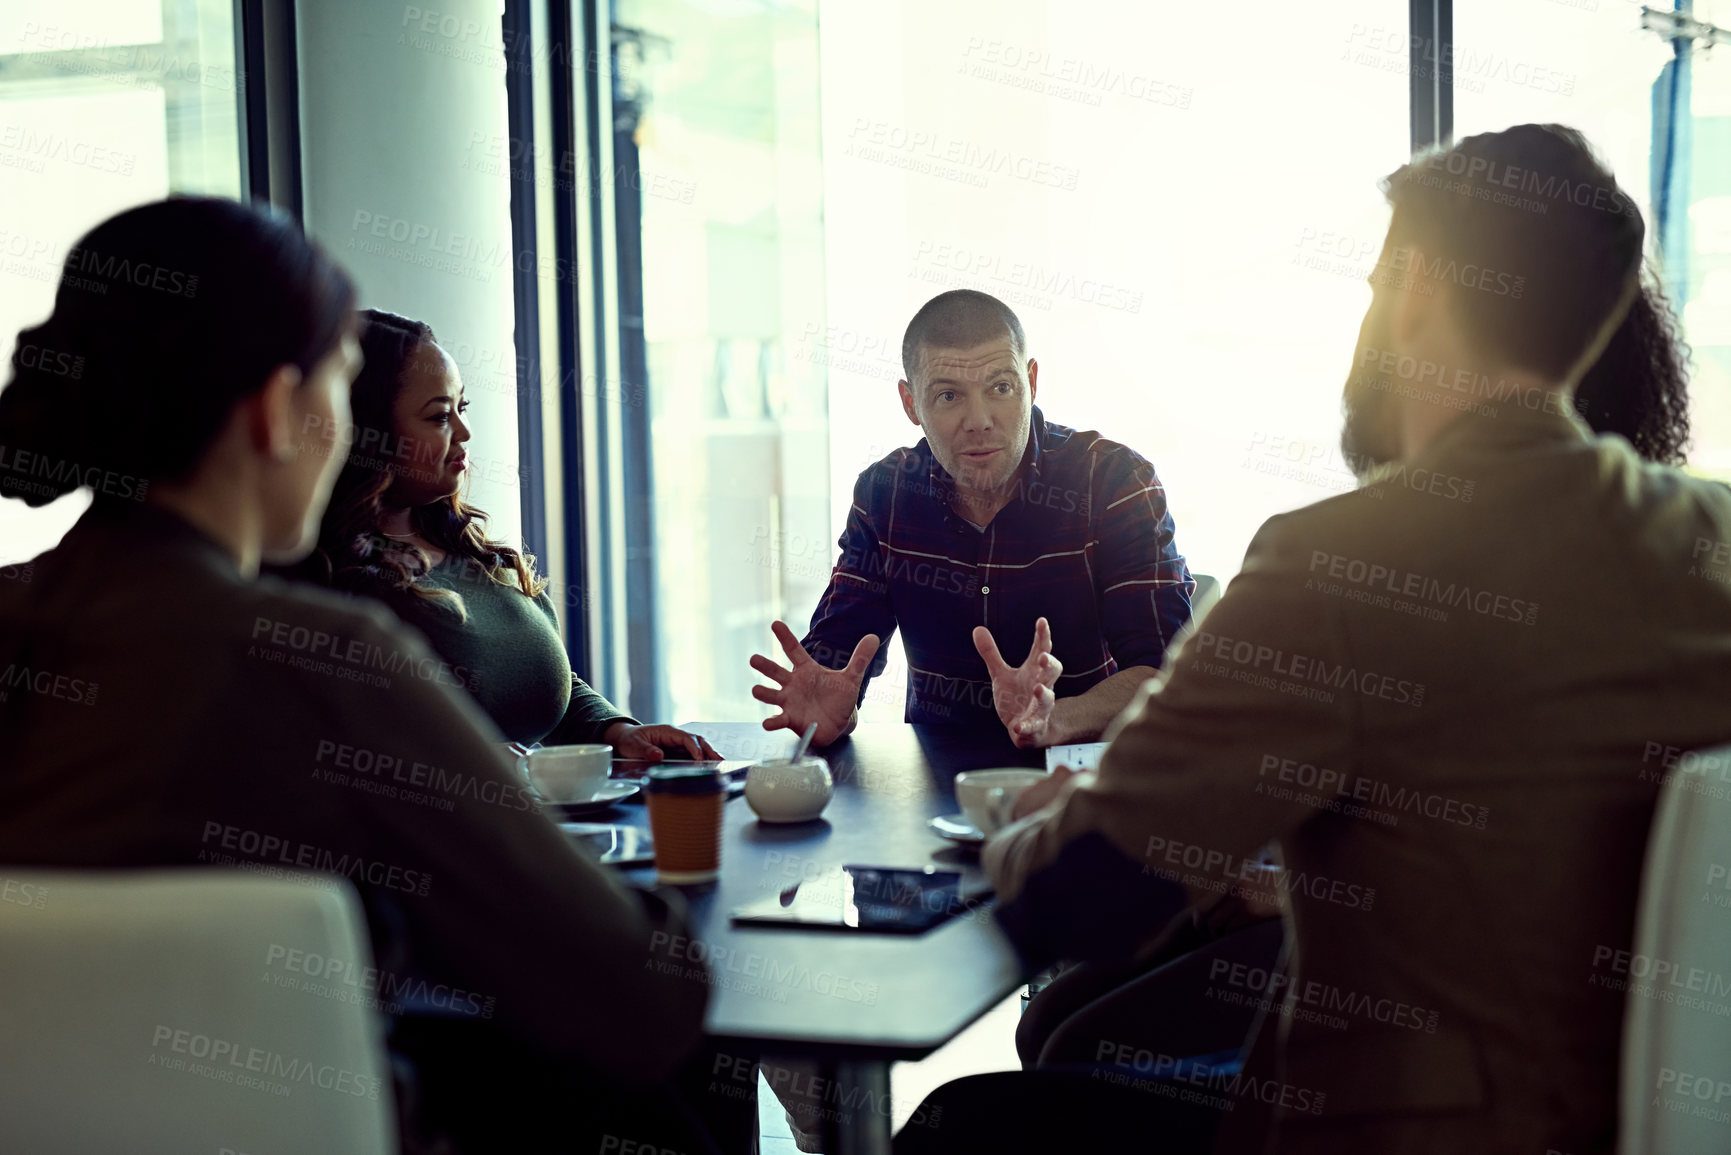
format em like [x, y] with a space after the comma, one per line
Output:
[685, 822]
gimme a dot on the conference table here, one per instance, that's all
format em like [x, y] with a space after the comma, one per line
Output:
[849, 1002]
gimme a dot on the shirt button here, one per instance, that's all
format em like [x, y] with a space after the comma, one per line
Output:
[985, 589]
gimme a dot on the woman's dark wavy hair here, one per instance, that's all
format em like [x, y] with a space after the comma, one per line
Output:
[166, 316]
[1639, 387]
[356, 554]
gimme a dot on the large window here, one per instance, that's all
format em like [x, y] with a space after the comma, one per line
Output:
[1707, 279]
[724, 482]
[1181, 206]
[103, 104]
[1183, 217]
[1185, 232]
[1597, 68]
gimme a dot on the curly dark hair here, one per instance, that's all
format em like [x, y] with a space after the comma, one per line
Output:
[353, 552]
[1639, 387]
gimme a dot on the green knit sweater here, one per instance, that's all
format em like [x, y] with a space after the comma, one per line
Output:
[512, 658]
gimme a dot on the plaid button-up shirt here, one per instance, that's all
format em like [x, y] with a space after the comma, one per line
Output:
[1086, 542]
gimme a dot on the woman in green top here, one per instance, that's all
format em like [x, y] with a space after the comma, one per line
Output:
[398, 529]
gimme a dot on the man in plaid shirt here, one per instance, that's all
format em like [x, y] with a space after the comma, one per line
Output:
[997, 525]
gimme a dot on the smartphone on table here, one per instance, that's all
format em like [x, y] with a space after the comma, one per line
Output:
[880, 899]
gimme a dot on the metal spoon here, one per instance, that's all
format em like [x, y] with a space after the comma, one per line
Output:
[804, 741]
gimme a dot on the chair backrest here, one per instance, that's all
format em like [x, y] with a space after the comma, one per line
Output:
[1676, 1077]
[1201, 601]
[1207, 593]
[188, 1010]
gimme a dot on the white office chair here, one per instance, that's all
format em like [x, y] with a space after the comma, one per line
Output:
[1676, 1077]
[187, 1010]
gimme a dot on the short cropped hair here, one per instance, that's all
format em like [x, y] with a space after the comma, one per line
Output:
[959, 319]
[1531, 235]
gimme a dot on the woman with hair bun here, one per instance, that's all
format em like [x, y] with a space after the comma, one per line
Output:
[160, 707]
[144, 375]
[399, 530]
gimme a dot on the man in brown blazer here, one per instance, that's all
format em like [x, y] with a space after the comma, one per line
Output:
[1443, 698]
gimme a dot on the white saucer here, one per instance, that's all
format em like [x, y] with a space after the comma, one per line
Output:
[958, 829]
[610, 793]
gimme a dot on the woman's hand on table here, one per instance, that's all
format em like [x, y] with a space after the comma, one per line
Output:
[653, 743]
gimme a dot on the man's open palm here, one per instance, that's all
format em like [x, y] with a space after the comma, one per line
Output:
[1023, 694]
[811, 692]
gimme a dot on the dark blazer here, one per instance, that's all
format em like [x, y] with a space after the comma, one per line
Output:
[156, 709]
[1448, 697]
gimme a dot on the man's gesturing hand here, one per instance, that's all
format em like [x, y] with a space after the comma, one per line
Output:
[811, 692]
[1023, 694]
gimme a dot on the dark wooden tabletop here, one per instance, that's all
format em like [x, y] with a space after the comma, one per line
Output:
[849, 994]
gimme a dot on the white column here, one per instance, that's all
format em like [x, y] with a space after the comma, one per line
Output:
[405, 161]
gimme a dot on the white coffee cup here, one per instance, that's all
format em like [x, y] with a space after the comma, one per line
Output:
[778, 790]
[987, 796]
[567, 773]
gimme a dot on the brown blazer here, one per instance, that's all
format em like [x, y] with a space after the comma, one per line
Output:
[157, 709]
[1448, 697]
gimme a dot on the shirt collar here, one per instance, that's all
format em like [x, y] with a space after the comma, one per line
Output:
[145, 527]
[1516, 425]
